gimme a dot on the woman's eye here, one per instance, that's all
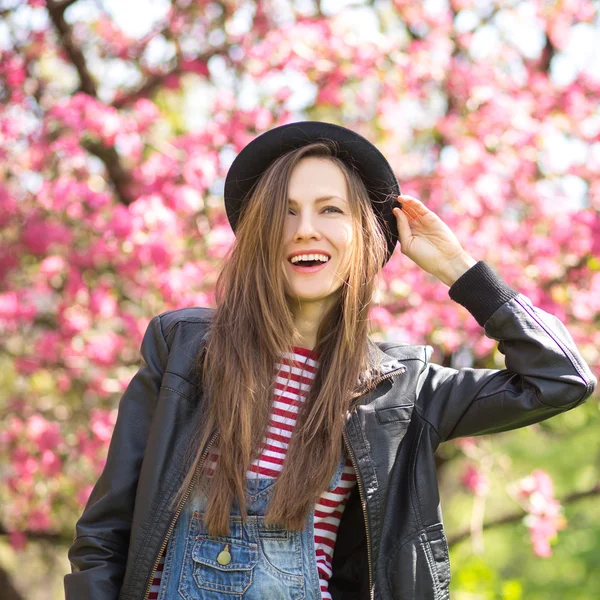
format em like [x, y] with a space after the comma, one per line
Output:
[334, 208]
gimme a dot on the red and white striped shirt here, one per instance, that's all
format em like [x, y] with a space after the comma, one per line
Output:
[301, 368]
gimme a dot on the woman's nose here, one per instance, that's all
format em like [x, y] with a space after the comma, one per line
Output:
[306, 226]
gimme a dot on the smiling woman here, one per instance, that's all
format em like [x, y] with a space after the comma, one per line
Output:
[302, 463]
[294, 306]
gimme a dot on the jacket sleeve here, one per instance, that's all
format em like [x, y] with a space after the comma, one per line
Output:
[544, 375]
[99, 550]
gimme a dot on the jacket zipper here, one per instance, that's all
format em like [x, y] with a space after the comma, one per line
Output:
[178, 511]
[363, 503]
[364, 510]
[375, 383]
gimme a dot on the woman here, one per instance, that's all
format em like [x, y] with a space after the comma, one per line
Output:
[261, 436]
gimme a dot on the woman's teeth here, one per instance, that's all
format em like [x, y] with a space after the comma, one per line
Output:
[309, 258]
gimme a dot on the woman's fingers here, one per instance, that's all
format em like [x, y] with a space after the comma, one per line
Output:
[404, 231]
[412, 207]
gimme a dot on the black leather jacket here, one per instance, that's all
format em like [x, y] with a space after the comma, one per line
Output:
[391, 541]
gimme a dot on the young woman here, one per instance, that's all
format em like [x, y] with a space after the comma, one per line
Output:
[268, 449]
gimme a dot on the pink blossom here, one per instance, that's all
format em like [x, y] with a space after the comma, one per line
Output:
[12, 430]
[121, 223]
[102, 424]
[74, 319]
[466, 444]
[545, 516]
[52, 266]
[102, 303]
[17, 539]
[219, 240]
[195, 66]
[47, 347]
[9, 305]
[475, 480]
[63, 382]
[146, 113]
[39, 519]
[538, 481]
[51, 465]
[45, 434]
[26, 365]
[38, 236]
[381, 317]
[103, 348]
[83, 494]
[541, 546]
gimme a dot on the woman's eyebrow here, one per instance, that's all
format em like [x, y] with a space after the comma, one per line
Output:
[322, 199]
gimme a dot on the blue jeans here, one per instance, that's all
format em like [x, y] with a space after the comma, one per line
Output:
[264, 561]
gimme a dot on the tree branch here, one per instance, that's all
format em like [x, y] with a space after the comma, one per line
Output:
[155, 81]
[42, 536]
[62, 6]
[517, 516]
[117, 174]
[119, 177]
[548, 53]
[56, 12]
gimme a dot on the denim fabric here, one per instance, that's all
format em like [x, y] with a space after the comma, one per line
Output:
[266, 561]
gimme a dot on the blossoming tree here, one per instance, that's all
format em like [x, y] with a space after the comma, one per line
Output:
[114, 146]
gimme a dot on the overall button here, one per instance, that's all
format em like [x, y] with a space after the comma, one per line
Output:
[224, 558]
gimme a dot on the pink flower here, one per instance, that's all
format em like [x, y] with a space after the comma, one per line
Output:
[52, 266]
[17, 540]
[83, 494]
[51, 465]
[11, 431]
[545, 516]
[475, 480]
[48, 346]
[103, 303]
[102, 423]
[381, 317]
[38, 236]
[45, 434]
[103, 348]
[466, 444]
[39, 519]
[74, 319]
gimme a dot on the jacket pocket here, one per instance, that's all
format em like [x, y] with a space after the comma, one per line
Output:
[392, 414]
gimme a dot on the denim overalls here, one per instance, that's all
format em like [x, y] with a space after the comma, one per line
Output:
[254, 562]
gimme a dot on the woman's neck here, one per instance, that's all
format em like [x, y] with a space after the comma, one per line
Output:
[307, 318]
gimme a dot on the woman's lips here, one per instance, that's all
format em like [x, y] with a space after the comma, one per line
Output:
[312, 269]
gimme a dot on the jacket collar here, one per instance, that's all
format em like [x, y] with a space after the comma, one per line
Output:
[380, 364]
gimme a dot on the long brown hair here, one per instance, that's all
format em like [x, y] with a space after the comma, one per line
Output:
[253, 324]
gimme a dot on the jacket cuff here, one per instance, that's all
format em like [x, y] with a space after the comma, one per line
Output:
[481, 291]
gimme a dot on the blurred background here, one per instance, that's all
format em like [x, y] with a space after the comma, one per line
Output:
[118, 123]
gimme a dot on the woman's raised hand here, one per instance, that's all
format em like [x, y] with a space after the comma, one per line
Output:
[429, 242]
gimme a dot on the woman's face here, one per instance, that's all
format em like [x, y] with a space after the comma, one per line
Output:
[316, 225]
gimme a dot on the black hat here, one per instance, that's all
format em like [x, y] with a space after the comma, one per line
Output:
[357, 151]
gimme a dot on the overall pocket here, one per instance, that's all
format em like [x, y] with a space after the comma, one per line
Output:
[216, 566]
[224, 566]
